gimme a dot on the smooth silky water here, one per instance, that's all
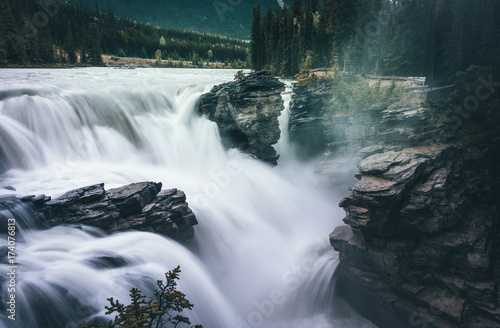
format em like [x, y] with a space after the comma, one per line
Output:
[260, 257]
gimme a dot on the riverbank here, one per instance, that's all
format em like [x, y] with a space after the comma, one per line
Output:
[131, 62]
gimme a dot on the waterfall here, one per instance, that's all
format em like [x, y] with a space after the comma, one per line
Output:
[283, 146]
[260, 257]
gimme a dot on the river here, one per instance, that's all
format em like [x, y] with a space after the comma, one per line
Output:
[260, 257]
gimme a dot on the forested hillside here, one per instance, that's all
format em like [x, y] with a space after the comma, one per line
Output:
[45, 32]
[225, 17]
[432, 38]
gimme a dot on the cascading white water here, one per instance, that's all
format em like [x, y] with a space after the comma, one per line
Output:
[261, 256]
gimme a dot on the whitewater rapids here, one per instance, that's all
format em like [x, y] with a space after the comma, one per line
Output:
[260, 257]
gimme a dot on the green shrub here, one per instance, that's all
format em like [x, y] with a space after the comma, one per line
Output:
[162, 310]
[353, 93]
[121, 53]
[239, 75]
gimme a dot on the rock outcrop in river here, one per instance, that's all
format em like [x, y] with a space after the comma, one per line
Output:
[246, 112]
[139, 206]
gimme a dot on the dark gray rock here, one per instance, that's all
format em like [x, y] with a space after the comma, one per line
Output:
[309, 110]
[88, 205]
[27, 212]
[246, 113]
[131, 199]
[424, 227]
[413, 123]
[316, 128]
[108, 262]
[139, 206]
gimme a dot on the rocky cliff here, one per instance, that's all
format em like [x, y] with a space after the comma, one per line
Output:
[316, 130]
[246, 112]
[420, 248]
[139, 206]
[310, 116]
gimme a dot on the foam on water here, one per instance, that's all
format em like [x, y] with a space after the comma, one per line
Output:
[261, 256]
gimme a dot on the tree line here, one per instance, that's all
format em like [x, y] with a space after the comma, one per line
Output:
[432, 38]
[53, 31]
[282, 39]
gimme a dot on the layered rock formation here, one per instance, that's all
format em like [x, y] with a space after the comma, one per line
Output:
[139, 206]
[315, 129]
[422, 236]
[246, 112]
[310, 118]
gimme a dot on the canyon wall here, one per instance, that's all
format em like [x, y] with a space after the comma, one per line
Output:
[422, 234]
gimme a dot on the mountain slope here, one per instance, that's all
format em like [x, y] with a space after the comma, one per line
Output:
[226, 17]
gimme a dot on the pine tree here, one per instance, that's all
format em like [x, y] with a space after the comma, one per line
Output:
[256, 42]
[3, 52]
[268, 26]
[158, 55]
[45, 46]
[162, 310]
[490, 47]
[95, 53]
[277, 51]
[309, 31]
[297, 9]
[70, 46]
[287, 48]
[13, 42]
[84, 59]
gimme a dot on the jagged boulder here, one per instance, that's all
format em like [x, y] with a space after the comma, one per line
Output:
[385, 180]
[139, 206]
[246, 112]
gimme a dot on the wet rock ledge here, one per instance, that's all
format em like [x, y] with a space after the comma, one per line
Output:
[139, 206]
[246, 112]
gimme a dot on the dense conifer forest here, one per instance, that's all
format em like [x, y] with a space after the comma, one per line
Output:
[432, 38]
[225, 17]
[45, 32]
